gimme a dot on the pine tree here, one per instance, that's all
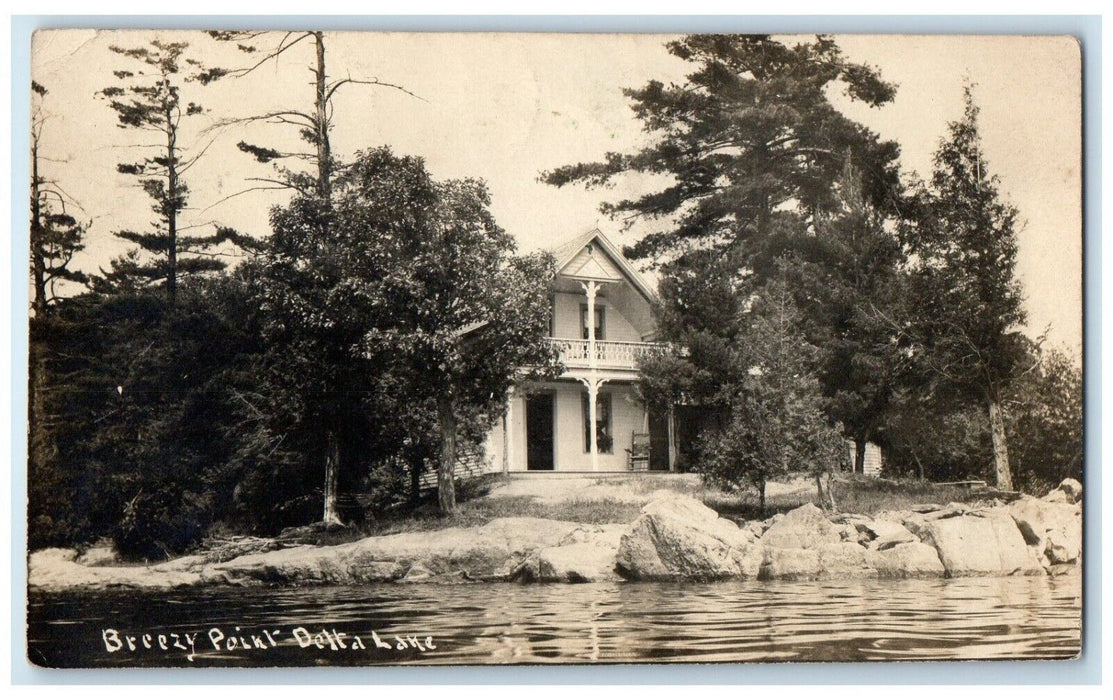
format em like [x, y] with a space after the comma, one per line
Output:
[968, 303]
[149, 101]
[56, 236]
[856, 285]
[750, 140]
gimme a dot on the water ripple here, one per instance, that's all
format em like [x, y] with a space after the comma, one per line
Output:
[1006, 618]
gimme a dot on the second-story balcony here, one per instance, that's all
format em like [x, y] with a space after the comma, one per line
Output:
[609, 354]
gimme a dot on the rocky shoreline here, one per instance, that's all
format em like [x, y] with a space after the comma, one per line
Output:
[675, 538]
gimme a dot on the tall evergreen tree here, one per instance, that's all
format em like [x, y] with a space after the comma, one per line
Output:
[855, 285]
[750, 139]
[148, 100]
[55, 234]
[968, 303]
[313, 125]
[777, 423]
[55, 237]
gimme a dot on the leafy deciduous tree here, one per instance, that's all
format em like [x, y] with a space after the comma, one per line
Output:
[403, 289]
[314, 127]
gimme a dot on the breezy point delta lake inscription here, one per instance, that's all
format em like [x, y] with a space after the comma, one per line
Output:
[223, 639]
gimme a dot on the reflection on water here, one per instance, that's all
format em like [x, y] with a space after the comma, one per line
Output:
[985, 618]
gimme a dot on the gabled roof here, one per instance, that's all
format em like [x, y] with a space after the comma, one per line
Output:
[567, 254]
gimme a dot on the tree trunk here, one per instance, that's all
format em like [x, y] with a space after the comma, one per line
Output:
[761, 489]
[324, 151]
[830, 487]
[172, 187]
[446, 489]
[332, 479]
[1000, 448]
[37, 254]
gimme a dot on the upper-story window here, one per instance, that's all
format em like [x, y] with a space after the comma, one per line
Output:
[600, 321]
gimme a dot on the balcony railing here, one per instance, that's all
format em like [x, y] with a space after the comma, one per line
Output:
[609, 354]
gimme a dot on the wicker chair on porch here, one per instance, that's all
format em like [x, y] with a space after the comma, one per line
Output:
[638, 455]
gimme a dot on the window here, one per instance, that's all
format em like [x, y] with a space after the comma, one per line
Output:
[603, 438]
[600, 317]
[552, 316]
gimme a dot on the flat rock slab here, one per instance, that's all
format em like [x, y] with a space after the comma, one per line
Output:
[478, 552]
[56, 569]
[906, 560]
[885, 534]
[985, 543]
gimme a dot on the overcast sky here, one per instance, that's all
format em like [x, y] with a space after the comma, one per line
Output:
[504, 107]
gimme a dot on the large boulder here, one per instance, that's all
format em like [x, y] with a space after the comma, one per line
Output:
[790, 564]
[906, 560]
[982, 543]
[679, 538]
[1053, 528]
[1068, 491]
[806, 527]
[585, 555]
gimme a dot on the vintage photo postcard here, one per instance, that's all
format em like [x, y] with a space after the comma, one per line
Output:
[363, 348]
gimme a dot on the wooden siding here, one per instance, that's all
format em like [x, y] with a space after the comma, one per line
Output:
[470, 463]
[872, 463]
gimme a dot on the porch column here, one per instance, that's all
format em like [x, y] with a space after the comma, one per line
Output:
[590, 288]
[592, 410]
[507, 422]
[592, 382]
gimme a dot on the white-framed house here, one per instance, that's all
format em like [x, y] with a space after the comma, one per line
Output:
[602, 323]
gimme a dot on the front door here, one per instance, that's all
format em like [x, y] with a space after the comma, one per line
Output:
[539, 432]
[658, 440]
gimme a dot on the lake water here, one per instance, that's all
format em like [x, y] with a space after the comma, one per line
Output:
[983, 618]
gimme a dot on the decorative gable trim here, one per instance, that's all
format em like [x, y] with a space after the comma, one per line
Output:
[571, 264]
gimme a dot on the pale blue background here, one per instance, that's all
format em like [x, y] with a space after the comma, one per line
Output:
[1086, 670]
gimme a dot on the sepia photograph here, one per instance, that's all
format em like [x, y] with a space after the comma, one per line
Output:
[362, 348]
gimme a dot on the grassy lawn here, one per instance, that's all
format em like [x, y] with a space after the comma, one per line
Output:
[853, 494]
[617, 501]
